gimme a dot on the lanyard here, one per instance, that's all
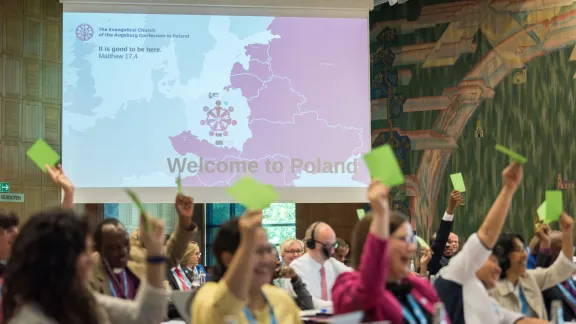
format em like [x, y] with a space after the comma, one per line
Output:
[125, 279]
[567, 294]
[182, 278]
[523, 302]
[416, 310]
[251, 318]
[571, 283]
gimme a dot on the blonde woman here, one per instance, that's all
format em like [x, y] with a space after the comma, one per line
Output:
[191, 262]
[290, 250]
[286, 277]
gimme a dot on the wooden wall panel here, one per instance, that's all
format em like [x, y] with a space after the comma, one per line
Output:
[30, 98]
[52, 124]
[11, 162]
[31, 174]
[33, 37]
[52, 10]
[53, 42]
[12, 70]
[32, 199]
[34, 8]
[52, 83]
[32, 75]
[33, 119]
[342, 217]
[13, 34]
[11, 119]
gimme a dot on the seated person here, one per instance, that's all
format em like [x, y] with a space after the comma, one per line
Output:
[242, 293]
[317, 269]
[287, 279]
[382, 285]
[519, 289]
[46, 280]
[341, 251]
[463, 282]
[194, 271]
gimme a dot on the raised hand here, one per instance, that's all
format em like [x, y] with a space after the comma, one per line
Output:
[542, 231]
[378, 197]
[566, 222]
[154, 239]
[59, 177]
[454, 201]
[288, 272]
[249, 222]
[185, 209]
[512, 175]
[426, 256]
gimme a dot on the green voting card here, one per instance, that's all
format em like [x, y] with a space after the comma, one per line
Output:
[252, 194]
[553, 206]
[361, 213]
[143, 216]
[458, 182]
[422, 242]
[179, 184]
[541, 211]
[513, 155]
[41, 154]
[384, 167]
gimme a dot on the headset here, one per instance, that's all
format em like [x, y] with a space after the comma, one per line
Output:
[311, 242]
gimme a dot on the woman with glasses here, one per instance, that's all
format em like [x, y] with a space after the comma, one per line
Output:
[290, 250]
[520, 290]
[287, 278]
[195, 271]
[383, 245]
[240, 291]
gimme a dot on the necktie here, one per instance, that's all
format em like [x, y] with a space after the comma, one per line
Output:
[323, 283]
[182, 279]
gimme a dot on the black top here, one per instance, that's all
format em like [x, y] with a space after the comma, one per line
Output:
[401, 291]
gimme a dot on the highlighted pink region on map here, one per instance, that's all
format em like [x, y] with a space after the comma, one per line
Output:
[307, 102]
[315, 55]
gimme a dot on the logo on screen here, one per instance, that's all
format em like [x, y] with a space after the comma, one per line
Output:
[84, 32]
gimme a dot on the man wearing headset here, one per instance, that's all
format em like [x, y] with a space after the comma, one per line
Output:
[316, 268]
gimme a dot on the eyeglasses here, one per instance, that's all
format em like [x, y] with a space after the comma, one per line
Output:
[198, 254]
[293, 251]
[406, 239]
[328, 245]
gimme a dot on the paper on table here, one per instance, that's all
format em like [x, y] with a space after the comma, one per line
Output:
[422, 242]
[143, 215]
[513, 155]
[553, 205]
[41, 154]
[541, 211]
[383, 166]
[361, 213]
[252, 194]
[458, 182]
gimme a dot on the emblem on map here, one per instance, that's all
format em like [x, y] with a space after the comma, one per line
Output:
[218, 119]
[84, 32]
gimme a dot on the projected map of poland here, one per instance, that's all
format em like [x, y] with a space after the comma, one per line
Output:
[289, 116]
[217, 89]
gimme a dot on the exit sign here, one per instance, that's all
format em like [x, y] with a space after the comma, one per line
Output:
[4, 187]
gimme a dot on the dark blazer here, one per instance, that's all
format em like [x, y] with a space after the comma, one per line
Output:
[438, 260]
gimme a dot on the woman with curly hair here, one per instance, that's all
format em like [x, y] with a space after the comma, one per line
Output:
[46, 279]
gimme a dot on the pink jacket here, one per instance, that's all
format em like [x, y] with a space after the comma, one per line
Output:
[365, 289]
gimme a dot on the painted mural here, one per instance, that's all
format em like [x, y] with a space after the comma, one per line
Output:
[450, 79]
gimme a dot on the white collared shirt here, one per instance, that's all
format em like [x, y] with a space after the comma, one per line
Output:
[309, 271]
